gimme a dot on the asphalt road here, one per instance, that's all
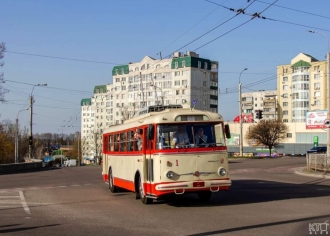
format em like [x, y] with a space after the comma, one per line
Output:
[266, 198]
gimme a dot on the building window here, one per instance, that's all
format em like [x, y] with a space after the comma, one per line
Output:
[317, 94]
[285, 87]
[285, 95]
[316, 86]
[176, 65]
[183, 92]
[285, 112]
[177, 83]
[122, 71]
[184, 82]
[316, 76]
[204, 75]
[204, 83]
[136, 68]
[285, 120]
[317, 68]
[199, 64]
[285, 104]
[177, 92]
[177, 73]
[183, 64]
[177, 101]
[205, 65]
[214, 66]
[285, 79]
[288, 135]
[255, 99]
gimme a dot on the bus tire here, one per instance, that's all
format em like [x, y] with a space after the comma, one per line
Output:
[204, 196]
[144, 199]
[112, 187]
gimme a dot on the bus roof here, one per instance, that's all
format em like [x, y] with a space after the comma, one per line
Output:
[166, 116]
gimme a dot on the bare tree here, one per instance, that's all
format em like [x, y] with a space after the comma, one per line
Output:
[268, 133]
[2, 90]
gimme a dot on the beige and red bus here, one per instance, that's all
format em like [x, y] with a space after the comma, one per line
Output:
[145, 154]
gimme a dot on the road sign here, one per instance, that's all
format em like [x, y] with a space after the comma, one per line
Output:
[327, 123]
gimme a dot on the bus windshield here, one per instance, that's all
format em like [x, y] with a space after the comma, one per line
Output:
[193, 135]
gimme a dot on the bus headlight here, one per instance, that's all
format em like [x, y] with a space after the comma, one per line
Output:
[170, 174]
[222, 171]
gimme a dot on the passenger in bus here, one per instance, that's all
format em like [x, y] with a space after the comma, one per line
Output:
[132, 142]
[200, 137]
[138, 137]
[180, 137]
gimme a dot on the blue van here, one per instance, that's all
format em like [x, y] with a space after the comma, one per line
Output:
[317, 150]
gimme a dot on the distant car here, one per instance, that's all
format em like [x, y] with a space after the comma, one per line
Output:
[317, 150]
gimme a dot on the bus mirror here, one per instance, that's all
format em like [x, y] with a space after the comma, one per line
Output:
[227, 131]
[150, 132]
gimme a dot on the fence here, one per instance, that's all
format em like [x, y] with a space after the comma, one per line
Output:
[318, 162]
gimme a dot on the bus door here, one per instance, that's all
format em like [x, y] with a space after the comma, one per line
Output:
[149, 166]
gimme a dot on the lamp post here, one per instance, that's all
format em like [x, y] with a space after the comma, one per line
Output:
[16, 136]
[328, 94]
[240, 114]
[31, 113]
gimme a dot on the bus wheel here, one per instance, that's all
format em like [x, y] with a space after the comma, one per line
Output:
[112, 187]
[204, 196]
[143, 198]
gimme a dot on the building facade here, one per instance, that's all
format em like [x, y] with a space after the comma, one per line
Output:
[185, 79]
[301, 87]
[262, 100]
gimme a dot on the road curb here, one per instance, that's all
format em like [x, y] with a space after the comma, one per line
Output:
[300, 172]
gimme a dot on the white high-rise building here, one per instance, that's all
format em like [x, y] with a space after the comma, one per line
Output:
[185, 79]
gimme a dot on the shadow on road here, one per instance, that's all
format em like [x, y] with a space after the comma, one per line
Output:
[24, 228]
[251, 191]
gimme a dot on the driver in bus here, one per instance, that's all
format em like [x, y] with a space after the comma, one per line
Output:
[181, 137]
[200, 137]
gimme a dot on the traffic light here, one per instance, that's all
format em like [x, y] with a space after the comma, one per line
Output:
[260, 115]
[30, 140]
[257, 114]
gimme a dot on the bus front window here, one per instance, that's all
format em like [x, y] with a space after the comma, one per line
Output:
[193, 135]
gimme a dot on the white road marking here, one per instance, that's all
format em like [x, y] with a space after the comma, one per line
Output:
[24, 204]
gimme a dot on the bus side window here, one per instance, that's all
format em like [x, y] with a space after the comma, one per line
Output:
[129, 141]
[111, 143]
[117, 140]
[123, 142]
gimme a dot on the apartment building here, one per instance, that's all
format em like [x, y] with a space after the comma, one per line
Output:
[301, 87]
[185, 79]
[262, 100]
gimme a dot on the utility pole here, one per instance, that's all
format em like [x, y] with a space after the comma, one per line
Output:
[328, 93]
[78, 150]
[240, 113]
[31, 115]
[30, 136]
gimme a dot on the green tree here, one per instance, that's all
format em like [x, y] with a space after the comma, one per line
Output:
[268, 133]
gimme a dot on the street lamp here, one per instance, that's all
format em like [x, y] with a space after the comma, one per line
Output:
[31, 112]
[328, 81]
[240, 113]
[16, 136]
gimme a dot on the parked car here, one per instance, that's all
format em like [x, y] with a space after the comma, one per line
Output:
[317, 150]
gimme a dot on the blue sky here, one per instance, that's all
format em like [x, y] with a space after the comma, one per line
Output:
[118, 32]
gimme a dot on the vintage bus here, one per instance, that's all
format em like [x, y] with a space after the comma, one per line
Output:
[144, 154]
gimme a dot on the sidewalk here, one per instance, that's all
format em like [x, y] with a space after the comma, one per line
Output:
[312, 173]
